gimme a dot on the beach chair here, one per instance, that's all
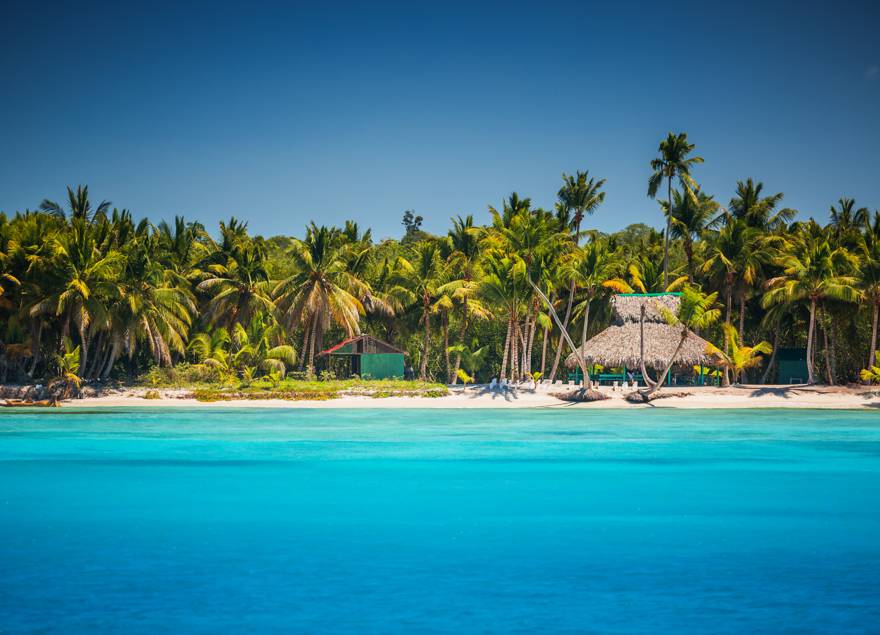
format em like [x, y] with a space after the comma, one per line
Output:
[493, 384]
[614, 386]
[504, 384]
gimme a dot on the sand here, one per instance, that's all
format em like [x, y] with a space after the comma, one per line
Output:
[825, 397]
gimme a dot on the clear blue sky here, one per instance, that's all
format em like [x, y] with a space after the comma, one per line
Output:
[281, 114]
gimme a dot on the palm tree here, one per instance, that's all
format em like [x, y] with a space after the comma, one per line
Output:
[869, 277]
[689, 218]
[758, 212]
[322, 291]
[847, 221]
[238, 288]
[736, 359]
[696, 310]
[593, 266]
[735, 257]
[673, 163]
[262, 346]
[79, 205]
[643, 275]
[211, 348]
[813, 271]
[87, 283]
[464, 260]
[154, 307]
[418, 280]
[503, 286]
[578, 196]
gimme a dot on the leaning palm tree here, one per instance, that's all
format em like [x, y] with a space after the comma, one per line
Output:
[673, 163]
[696, 311]
[812, 271]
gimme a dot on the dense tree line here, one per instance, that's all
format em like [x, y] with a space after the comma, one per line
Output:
[89, 291]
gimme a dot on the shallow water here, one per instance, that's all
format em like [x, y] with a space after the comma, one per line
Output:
[209, 521]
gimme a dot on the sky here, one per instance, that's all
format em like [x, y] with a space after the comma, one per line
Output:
[290, 112]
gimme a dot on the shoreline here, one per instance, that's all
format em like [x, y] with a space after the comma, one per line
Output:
[804, 397]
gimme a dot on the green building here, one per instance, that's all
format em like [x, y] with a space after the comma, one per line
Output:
[791, 365]
[365, 356]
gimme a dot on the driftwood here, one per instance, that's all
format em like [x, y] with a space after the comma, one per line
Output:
[27, 403]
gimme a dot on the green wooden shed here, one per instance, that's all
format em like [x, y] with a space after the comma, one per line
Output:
[791, 364]
[365, 356]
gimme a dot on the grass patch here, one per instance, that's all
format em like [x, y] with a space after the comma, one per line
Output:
[302, 390]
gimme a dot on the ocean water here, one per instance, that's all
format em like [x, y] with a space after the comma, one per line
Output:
[433, 521]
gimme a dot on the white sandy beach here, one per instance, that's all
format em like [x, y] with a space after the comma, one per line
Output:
[834, 397]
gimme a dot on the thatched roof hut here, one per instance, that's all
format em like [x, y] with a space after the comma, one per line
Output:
[619, 344]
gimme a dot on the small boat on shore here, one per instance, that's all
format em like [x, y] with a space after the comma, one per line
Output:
[29, 403]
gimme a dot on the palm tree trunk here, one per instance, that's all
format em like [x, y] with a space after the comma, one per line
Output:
[832, 338]
[423, 365]
[304, 351]
[84, 349]
[828, 371]
[445, 318]
[729, 308]
[772, 361]
[36, 349]
[565, 327]
[461, 332]
[503, 374]
[689, 252]
[741, 329]
[114, 352]
[544, 337]
[873, 351]
[310, 366]
[810, 376]
[586, 324]
[514, 336]
[533, 329]
[648, 381]
[666, 234]
[665, 372]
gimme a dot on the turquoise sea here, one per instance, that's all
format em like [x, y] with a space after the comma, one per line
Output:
[437, 521]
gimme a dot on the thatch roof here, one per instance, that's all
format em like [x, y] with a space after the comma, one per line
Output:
[619, 344]
[627, 306]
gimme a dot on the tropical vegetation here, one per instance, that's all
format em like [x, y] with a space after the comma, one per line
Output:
[89, 293]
